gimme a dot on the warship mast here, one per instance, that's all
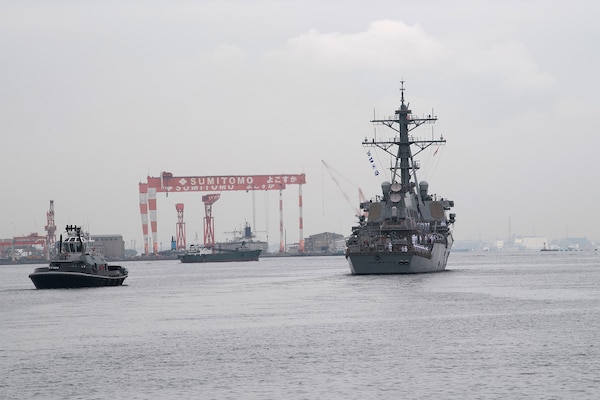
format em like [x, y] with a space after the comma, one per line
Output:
[403, 123]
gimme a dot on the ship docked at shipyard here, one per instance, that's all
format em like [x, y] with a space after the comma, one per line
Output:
[198, 254]
[405, 230]
[242, 248]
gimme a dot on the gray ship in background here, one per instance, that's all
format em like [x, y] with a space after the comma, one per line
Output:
[405, 230]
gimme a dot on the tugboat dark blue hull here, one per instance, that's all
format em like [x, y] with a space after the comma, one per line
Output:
[71, 280]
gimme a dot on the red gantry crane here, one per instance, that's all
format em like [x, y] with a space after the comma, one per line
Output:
[167, 183]
[209, 221]
[180, 228]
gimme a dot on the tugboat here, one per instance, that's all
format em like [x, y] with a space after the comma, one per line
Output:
[405, 230]
[77, 265]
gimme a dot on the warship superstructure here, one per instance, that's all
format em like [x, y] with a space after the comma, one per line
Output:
[405, 230]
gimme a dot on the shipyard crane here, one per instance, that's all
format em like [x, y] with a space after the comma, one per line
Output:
[361, 196]
[168, 183]
[51, 231]
[180, 228]
[209, 221]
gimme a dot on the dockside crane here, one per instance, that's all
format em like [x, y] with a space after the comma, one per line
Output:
[209, 221]
[50, 231]
[180, 228]
[361, 196]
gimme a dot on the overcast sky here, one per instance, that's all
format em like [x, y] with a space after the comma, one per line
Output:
[97, 95]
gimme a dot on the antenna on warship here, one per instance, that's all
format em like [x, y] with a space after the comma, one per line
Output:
[402, 91]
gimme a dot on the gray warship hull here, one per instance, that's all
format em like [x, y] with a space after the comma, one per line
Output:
[410, 262]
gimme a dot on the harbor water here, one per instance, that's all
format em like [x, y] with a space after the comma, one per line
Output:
[494, 325]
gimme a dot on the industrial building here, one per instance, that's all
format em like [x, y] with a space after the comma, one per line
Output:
[325, 243]
[112, 246]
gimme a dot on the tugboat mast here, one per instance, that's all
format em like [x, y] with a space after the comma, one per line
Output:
[403, 123]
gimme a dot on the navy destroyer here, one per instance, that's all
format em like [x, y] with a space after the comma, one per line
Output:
[405, 230]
